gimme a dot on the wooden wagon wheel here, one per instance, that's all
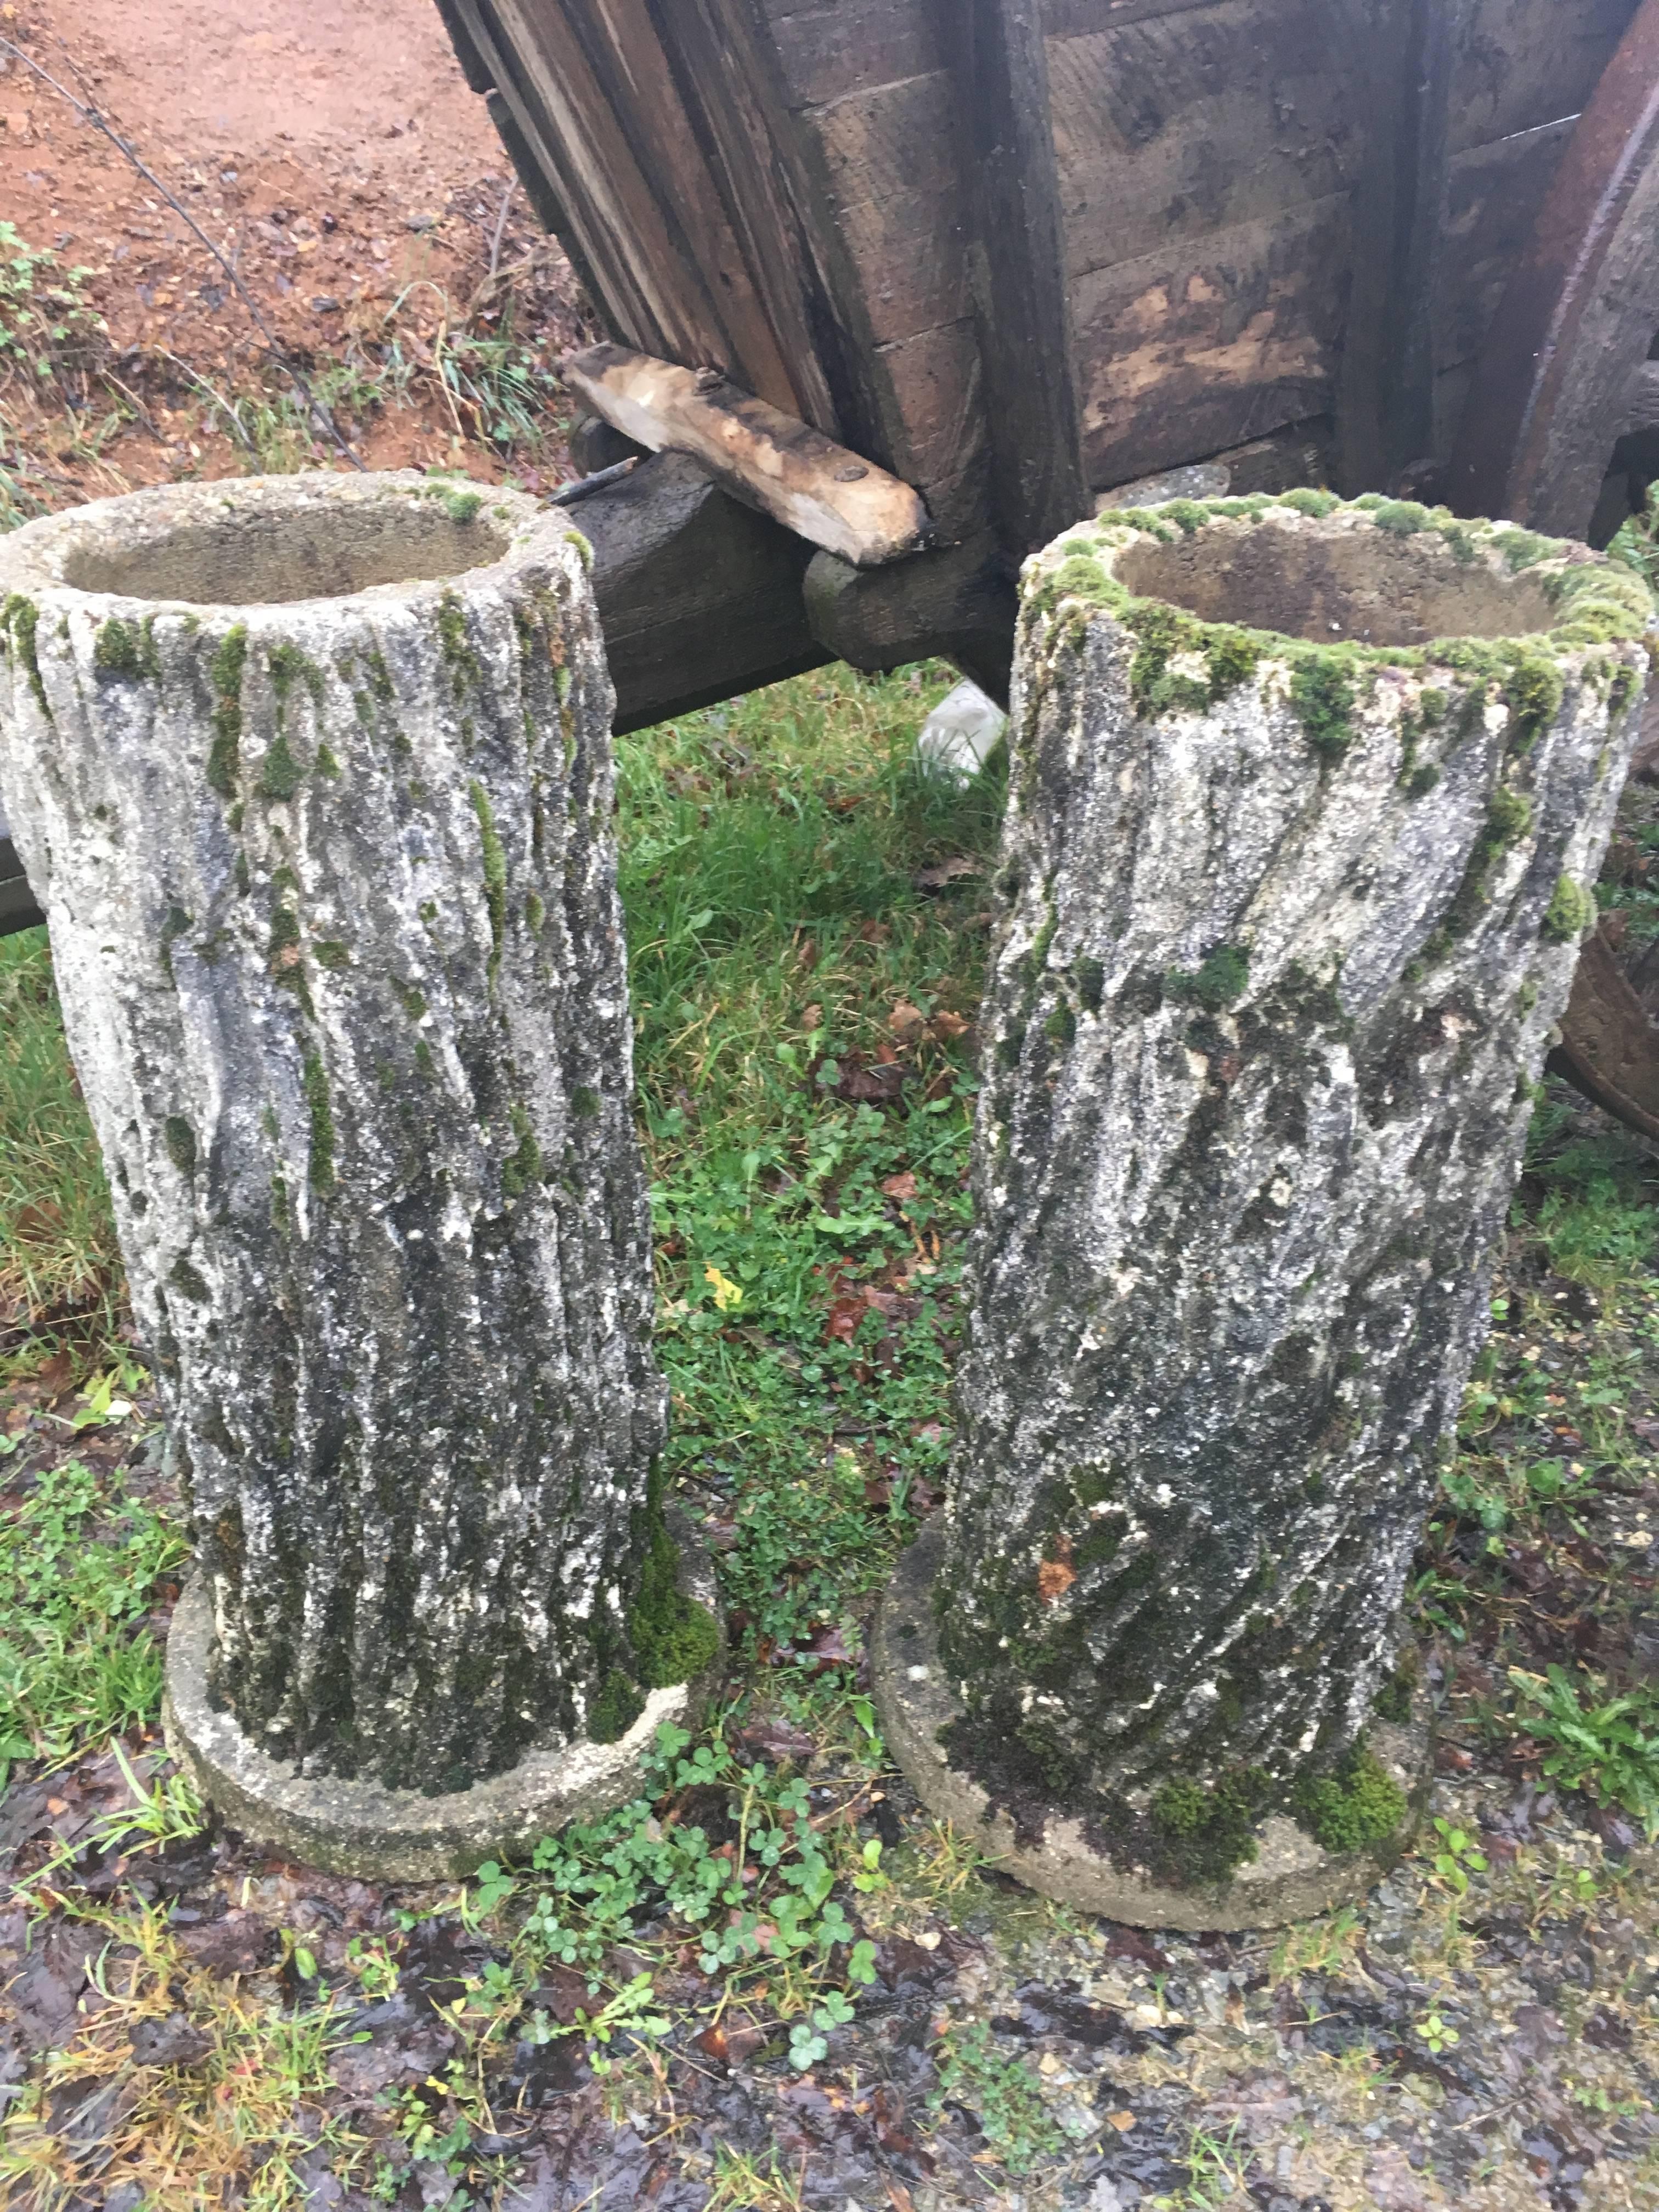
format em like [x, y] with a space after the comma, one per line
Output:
[1568, 370]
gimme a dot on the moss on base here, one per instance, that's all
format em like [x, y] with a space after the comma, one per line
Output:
[674, 1638]
[1357, 1806]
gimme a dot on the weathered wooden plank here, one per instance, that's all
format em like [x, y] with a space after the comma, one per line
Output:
[894, 192]
[1518, 64]
[1177, 126]
[838, 47]
[734, 98]
[632, 70]
[1078, 18]
[883, 165]
[1210, 343]
[1493, 196]
[636, 255]
[1000, 69]
[897, 138]
[937, 384]
[773, 461]
[699, 597]
[1385, 407]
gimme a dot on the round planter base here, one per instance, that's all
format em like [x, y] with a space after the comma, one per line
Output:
[1290, 1878]
[375, 1834]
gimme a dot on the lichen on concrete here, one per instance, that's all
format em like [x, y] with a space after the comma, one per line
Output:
[290, 847]
[1303, 798]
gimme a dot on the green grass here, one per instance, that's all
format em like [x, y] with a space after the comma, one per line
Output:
[80, 1558]
[1589, 1200]
[58, 1263]
[778, 946]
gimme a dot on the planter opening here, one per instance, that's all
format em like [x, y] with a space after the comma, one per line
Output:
[250, 554]
[1367, 586]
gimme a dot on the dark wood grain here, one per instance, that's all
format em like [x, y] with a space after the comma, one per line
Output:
[699, 597]
[1179, 126]
[1518, 64]
[1385, 409]
[1207, 346]
[1000, 62]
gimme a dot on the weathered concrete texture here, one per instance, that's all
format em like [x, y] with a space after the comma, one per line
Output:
[1289, 914]
[328, 862]
[1288, 1875]
[376, 1834]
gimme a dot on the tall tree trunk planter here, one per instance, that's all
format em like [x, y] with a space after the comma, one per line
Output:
[1292, 899]
[313, 775]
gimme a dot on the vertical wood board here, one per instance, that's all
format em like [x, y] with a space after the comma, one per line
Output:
[1190, 351]
[1518, 64]
[1180, 126]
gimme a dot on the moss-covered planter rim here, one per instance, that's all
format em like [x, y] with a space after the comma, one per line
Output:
[253, 550]
[1594, 601]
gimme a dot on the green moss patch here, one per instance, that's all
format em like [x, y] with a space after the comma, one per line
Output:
[1209, 1833]
[674, 1638]
[125, 648]
[1184, 665]
[1358, 1805]
[320, 1108]
[224, 754]
[495, 865]
[1571, 914]
[20, 618]
[1224, 978]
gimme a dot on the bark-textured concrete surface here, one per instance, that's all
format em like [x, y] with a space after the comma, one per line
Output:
[313, 777]
[1292, 898]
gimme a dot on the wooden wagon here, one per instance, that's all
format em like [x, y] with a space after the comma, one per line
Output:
[897, 289]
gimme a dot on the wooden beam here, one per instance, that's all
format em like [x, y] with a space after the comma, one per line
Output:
[1402, 60]
[699, 597]
[769, 460]
[959, 603]
[1016, 259]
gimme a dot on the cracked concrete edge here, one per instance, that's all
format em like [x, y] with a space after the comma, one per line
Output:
[375, 1834]
[1292, 1878]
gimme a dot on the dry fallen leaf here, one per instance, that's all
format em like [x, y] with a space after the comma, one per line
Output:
[1056, 1576]
[934, 878]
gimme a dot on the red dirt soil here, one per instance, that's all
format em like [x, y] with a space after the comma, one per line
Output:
[334, 153]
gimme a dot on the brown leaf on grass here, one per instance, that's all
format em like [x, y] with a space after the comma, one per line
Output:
[948, 1027]
[774, 1737]
[827, 1648]
[40, 1222]
[51, 1379]
[900, 1186]
[871, 1085]
[941, 872]
[241, 1943]
[907, 1022]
